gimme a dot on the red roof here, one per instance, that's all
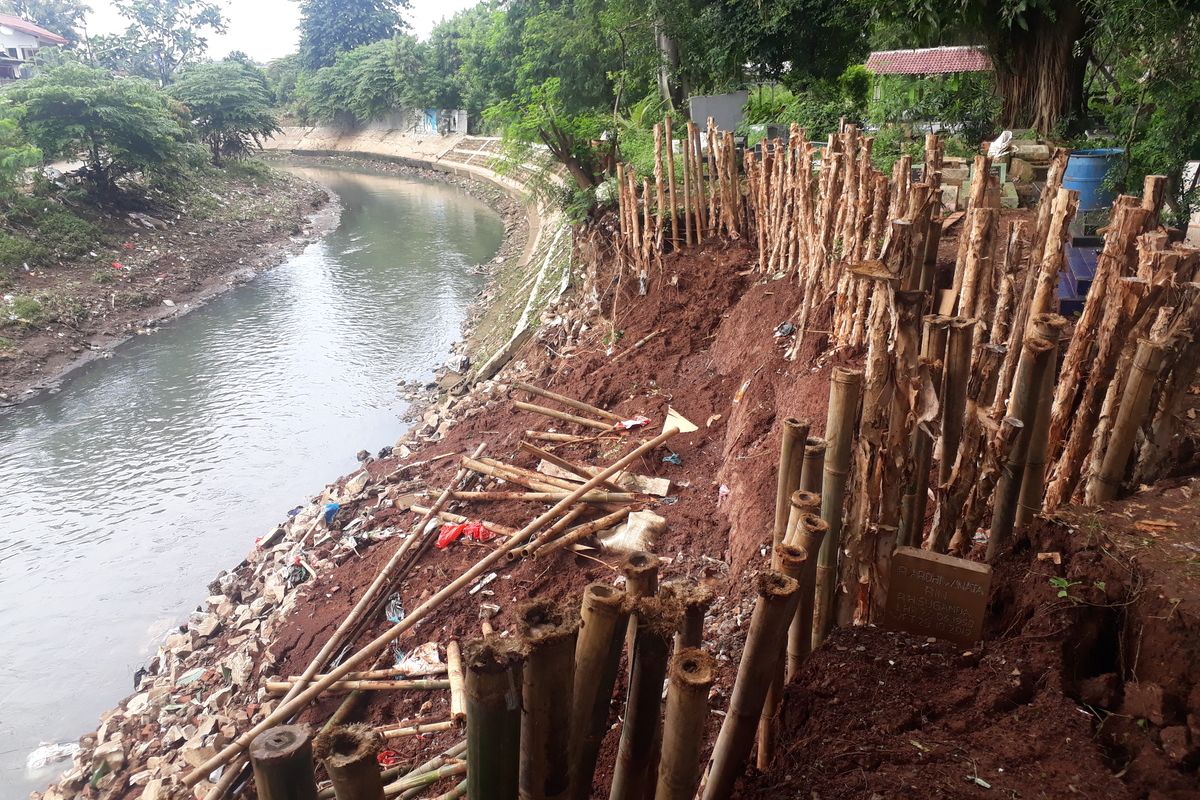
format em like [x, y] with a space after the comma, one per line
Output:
[930, 61]
[25, 26]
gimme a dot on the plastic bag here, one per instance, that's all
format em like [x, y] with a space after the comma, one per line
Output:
[449, 534]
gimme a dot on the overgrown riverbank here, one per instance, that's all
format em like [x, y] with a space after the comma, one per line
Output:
[130, 269]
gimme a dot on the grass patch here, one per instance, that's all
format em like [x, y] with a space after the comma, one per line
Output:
[16, 252]
[26, 311]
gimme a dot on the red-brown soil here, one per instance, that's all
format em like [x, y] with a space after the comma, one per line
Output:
[1092, 694]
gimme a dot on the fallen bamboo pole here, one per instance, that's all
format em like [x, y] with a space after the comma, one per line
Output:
[597, 658]
[791, 461]
[348, 753]
[302, 699]
[432, 764]
[283, 766]
[419, 729]
[454, 670]
[421, 781]
[1104, 484]
[562, 416]
[493, 686]
[1034, 368]
[519, 475]
[575, 469]
[845, 392]
[282, 687]
[459, 519]
[692, 672]
[581, 532]
[549, 634]
[547, 497]
[550, 533]
[570, 402]
[635, 768]
[774, 609]
[550, 436]
[372, 593]
[455, 793]
[381, 674]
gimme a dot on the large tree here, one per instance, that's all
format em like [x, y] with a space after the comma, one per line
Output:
[230, 106]
[117, 126]
[163, 35]
[1040, 49]
[63, 17]
[329, 27]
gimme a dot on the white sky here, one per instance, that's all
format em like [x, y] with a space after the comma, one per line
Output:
[266, 29]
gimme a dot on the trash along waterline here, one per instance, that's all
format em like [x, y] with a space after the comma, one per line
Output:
[151, 471]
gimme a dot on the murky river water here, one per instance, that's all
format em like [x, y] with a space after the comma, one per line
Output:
[122, 496]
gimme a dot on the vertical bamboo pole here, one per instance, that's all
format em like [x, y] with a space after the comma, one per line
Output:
[687, 184]
[622, 212]
[1053, 256]
[1147, 362]
[954, 391]
[1033, 369]
[1033, 481]
[349, 755]
[635, 768]
[493, 718]
[916, 496]
[698, 182]
[597, 659]
[790, 561]
[812, 532]
[845, 392]
[791, 461]
[674, 213]
[692, 672]
[695, 599]
[647, 230]
[813, 465]
[282, 760]
[454, 671]
[549, 633]
[641, 580]
[776, 605]
[659, 188]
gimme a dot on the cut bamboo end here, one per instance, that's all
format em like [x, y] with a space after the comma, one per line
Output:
[454, 670]
[694, 598]
[814, 463]
[494, 668]
[282, 761]
[691, 674]
[641, 572]
[604, 612]
[349, 755]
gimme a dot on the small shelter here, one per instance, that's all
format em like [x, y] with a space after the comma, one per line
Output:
[930, 61]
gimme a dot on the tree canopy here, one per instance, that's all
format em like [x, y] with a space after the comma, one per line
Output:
[330, 27]
[230, 106]
[118, 125]
[64, 17]
[162, 37]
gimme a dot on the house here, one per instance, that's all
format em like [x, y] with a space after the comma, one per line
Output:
[19, 42]
[930, 61]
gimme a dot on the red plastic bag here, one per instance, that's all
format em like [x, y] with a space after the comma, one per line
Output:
[449, 534]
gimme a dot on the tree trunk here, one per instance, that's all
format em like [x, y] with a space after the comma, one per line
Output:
[1038, 72]
[670, 88]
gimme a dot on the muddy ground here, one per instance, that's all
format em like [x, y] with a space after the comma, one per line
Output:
[147, 268]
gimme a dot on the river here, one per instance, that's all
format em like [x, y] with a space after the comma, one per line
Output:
[125, 493]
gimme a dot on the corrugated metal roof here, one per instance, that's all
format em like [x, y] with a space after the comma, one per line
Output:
[930, 61]
[25, 26]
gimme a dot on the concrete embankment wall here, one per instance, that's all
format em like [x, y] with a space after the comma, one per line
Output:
[521, 289]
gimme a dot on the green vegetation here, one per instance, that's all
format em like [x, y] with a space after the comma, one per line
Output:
[64, 17]
[230, 105]
[162, 37]
[330, 27]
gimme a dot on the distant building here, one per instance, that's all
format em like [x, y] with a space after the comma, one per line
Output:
[930, 61]
[19, 42]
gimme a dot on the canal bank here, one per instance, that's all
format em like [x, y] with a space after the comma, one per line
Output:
[152, 471]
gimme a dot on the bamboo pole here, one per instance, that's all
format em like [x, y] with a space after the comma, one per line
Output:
[687, 184]
[582, 472]
[955, 376]
[283, 766]
[635, 768]
[493, 687]
[549, 633]
[1033, 480]
[570, 402]
[282, 687]
[1034, 368]
[348, 753]
[549, 436]
[660, 190]
[459, 519]
[415, 785]
[454, 670]
[597, 658]
[692, 673]
[419, 729]
[812, 533]
[546, 497]
[641, 580]
[549, 534]
[455, 793]
[778, 596]
[791, 461]
[845, 393]
[1066, 201]
[454, 587]
[813, 465]
[562, 416]
[790, 561]
[694, 599]
[916, 497]
[381, 674]
[579, 533]
[671, 182]
[1135, 402]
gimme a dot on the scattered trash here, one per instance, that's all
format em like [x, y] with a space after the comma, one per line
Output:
[118, 265]
[387, 758]
[49, 753]
[784, 329]
[722, 494]
[673, 458]
[385, 451]
[639, 532]
[395, 609]
[674, 418]
[741, 392]
[422, 659]
[1055, 557]
[297, 575]
[331, 510]
[295, 511]
[711, 420]
[668, 501]
[450, 534]
[484, 581]
[631, 424]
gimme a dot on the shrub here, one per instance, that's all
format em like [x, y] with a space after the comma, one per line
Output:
[26, 310]
[17, 251]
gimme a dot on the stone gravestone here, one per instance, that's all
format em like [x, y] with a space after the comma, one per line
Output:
[937, 595]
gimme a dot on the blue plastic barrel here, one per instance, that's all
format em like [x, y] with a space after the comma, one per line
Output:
[1086, 171]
